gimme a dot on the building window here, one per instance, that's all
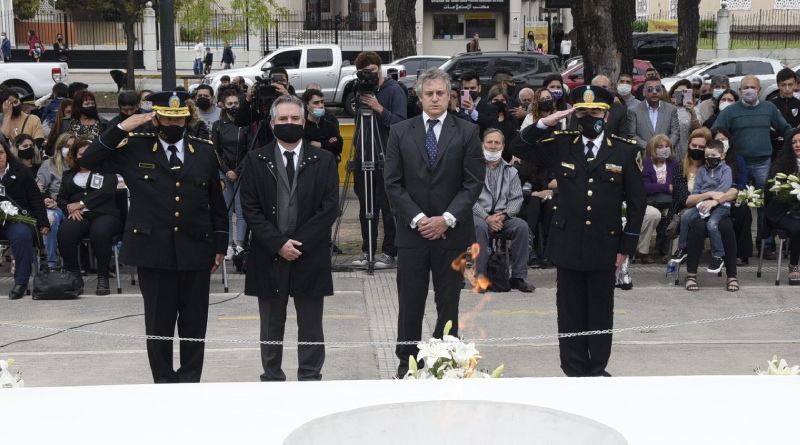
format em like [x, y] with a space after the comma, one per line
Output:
[673, 9]
[738, 5]
[642, 8]
[787, 4]
[464, 26]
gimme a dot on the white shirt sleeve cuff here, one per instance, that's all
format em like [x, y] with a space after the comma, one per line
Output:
[416, 220]
[540, 125]
[450, 215]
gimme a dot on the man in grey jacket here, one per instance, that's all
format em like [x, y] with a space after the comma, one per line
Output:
[496, 211]
[653, 116]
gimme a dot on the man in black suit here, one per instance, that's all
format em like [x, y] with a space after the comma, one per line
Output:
[479, 109]
[177, 226]
[290, 195]
[617, 115]
[596, 172]
[434, 174]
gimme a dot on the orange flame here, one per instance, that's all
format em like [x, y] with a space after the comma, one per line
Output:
[460, 264]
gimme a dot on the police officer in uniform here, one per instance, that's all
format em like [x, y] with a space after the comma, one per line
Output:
[177, 226]
[596, 172]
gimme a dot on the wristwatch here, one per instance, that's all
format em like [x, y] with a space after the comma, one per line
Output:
[449, 221]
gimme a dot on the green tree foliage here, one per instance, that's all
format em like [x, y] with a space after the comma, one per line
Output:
[25, 9]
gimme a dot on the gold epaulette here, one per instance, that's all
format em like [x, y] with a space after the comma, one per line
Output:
[619, 138]
[207, 141]
[559, 133]
[141, 135]
[548, 140]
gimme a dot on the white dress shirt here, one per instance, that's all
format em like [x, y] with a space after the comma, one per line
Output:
[178, 145]
[597, 142]
[437, 130]
[296, 151]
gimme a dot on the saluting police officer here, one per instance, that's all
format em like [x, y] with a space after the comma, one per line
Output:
[595, 172]
[177, 226]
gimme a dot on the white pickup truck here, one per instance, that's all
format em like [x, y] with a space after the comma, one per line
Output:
[320, 64]
[36, 78]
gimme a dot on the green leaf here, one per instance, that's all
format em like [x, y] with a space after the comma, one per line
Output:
[498, 372]
[448, 326]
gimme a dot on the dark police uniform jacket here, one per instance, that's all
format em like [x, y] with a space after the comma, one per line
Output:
[586, 232]
[173, 223]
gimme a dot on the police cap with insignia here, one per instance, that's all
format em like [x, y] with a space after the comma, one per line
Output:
[170, 103]
[592, 96]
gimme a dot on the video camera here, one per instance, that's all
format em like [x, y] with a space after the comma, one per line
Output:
[265, 93]
[366, 82]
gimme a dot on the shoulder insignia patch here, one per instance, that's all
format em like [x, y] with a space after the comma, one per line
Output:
[207, 141]
[639, 160]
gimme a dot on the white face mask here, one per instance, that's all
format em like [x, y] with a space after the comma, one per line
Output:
[725, 146]
[723, 105]
[492, 156]
[624, 89]
[65, 152]
[796, 95]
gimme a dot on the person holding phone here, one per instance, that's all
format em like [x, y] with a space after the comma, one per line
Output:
[481, 111]
[681, 95]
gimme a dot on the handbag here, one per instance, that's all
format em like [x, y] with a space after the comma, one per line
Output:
[497, 271]
[674, 226]
[56, 285]
[660, 200]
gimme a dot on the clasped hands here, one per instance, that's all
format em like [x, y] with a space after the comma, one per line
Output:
[432, 228]
[495, 221]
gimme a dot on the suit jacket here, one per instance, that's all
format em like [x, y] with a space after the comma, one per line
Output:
[617, 122]
[642, 128]
[100, 200]
[21, 187]
[453, 185]
[586, 232]
[317, 185]
[174, 223]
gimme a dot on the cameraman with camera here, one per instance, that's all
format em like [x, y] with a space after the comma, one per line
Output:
[387, 99]
[254, 109]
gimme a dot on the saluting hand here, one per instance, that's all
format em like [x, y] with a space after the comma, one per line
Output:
[136, 121]
[554, 118]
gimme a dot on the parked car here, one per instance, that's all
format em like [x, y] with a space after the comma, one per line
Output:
[416, 63]
[320, 64]
[573, 77]
[36, 78]
[658, 48]
[767, 93]
[735, 69]
[529, 68]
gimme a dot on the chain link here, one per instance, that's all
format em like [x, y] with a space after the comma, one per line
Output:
[484, 341]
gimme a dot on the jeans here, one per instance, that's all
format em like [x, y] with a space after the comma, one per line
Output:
[757, 174]
[712, 224]
[20, 236]
[241, 226]
[198, 66]
[51, 240]
[226, 66]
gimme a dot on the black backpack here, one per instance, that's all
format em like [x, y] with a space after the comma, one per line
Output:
[240, 261]
[497, 271]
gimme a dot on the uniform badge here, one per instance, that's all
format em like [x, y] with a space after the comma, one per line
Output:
[150, 166]
[569, 166]
[97, 181]
[588, 96]
[794, 112]
[174, 101]
[613, 168]
[639, 161]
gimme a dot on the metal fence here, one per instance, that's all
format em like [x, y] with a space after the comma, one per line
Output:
[221, 28]
[357, 31]
[80, 29]
[774, 29]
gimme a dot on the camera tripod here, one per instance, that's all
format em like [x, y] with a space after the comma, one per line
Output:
[366, 155]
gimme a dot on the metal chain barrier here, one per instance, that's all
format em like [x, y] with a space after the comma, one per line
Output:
[484, 341]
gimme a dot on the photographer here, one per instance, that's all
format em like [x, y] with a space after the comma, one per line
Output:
[249, 114]
[390, 104]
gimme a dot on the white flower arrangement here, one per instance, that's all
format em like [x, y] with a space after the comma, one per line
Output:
[775, 367]
[448, 358]
[8, 380]
[788, 191]
[749, 197]
[10, 213]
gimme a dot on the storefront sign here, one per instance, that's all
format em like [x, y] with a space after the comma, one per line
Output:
[539, 30]
[465, 5]
[662, 26]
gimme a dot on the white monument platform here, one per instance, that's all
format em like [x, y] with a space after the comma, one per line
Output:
[702, 410]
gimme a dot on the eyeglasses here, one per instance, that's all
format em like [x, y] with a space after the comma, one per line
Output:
[651, 89]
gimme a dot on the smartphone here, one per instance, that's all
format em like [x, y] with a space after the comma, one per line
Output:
[678, 97]
[464, 96]
[687, 96]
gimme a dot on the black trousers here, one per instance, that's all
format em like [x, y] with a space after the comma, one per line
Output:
[414, 266]
[381, 208]
[697, 236]
[793, 227]
[585, 302]
[309, 328]
[535, 212]
[170, 296]
[743, 228]
[99, 228]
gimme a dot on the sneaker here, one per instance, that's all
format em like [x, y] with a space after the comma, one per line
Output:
[384, 262]
[679, 255]
[716, 265]
[229, 254]
[521, 285]
[362, 260]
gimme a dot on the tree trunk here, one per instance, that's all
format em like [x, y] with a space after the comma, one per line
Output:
[688, 33]
[403, 26]
[625, 10]
[130, 35]
[593, 19]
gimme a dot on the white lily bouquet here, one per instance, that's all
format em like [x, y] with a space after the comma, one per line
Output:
[786, 188]
[8, 380]
[10, 213]
[775, 367]
[749, 197]
[448, 358]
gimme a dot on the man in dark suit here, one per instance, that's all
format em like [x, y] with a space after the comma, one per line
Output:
[434, 174]
[596, 172]
[290, 195]
[177, 226]
[617, 115]
[477, 108]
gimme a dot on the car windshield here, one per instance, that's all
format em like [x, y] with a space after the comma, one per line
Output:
[690, 71]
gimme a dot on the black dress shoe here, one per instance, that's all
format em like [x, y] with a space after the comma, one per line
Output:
[521, 285]
[533, 259]
[17, 291]
[102, 286]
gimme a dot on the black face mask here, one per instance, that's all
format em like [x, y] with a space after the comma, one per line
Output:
[123, 116]
[26, 154]
[713, 163]
[60, 39]
[546, 105]
[17, 110]
[473, 95]
[501, 106]
[204, 103]
[170, 133]
[697, 155]
[706, 96]
[90, 112]
[510, 89]
[591, 126]
[289, 133]
[232, 111]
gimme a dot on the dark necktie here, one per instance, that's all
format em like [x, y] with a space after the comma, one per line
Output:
[289, 166]
[174, 162]
[589, 153]
[430, 142]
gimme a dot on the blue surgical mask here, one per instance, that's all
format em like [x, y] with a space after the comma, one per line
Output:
[146, 107]
[318, 113]
[718, 93]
